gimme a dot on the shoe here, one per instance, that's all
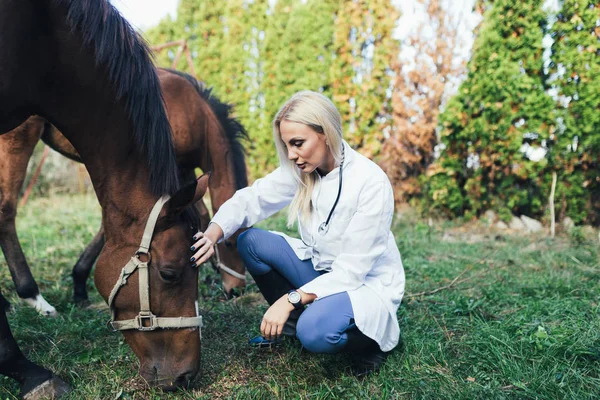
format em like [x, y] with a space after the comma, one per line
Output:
[368, 361]
[367, 357]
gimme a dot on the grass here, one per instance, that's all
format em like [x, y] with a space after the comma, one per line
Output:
[486, 316]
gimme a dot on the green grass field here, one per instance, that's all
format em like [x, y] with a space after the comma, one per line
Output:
[486, 316]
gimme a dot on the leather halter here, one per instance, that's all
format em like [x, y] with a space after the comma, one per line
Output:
[145, 320]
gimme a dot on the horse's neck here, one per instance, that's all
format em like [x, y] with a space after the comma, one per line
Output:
[80, 101]
[222, 181]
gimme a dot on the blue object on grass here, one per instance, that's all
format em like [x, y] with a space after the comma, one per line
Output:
[261, 342]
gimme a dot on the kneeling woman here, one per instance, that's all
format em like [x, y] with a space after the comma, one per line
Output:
[346, 266]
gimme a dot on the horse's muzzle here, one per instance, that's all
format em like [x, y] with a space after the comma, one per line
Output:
[168, 382]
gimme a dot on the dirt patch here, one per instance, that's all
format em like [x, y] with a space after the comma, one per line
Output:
[478, 231]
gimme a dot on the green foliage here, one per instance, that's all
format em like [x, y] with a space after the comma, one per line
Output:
[226, 40]
[500, 104]
[56, 174]
[297, 56]
[360, 75]
[575, 73]
[166, 31]
[256, 54]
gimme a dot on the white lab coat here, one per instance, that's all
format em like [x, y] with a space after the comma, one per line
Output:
[358, 250]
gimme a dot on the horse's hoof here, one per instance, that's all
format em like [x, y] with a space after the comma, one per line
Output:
[42, 306]
[82, 302]
[51, 389]
[7, 307]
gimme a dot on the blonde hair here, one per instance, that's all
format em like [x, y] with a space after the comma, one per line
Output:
[320, 114]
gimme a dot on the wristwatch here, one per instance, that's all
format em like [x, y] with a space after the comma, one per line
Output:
[295, 299]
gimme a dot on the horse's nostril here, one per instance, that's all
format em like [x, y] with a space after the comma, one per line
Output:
[184, 379]
[150, 375]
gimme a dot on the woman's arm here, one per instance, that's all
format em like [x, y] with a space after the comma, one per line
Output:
[247, 207]
[252, 204]
[307, 298]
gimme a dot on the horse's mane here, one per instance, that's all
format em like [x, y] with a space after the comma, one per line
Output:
[126, 58]
[232, 127]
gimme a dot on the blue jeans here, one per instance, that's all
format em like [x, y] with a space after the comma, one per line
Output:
[322, 327]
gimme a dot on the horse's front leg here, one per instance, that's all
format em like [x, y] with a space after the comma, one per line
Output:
[83, 267]
[35, 382]
[16, 148]
[27, 288]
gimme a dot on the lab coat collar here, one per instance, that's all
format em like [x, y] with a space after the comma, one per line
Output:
[348, 157]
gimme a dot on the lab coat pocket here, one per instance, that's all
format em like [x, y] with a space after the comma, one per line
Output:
[338, 225]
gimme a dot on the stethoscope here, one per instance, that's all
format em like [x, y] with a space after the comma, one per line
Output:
[324, 226]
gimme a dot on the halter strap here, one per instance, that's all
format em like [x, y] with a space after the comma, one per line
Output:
[151, 224]
[145, 320]
[222, 267]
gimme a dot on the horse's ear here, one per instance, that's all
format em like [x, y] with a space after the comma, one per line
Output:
[187, 195]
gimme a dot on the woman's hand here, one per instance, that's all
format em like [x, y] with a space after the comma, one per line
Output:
[272, 323]
[203, 248]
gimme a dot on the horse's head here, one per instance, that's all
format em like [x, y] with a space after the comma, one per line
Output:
[167, 346]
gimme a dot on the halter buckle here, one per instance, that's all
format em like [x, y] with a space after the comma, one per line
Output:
[146, 322]
[144, 256]
[111, 326]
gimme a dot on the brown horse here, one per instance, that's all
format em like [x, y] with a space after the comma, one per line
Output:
[201, 127]
[79, 65]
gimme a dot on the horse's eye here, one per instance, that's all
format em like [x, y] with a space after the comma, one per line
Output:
[169, 275]
[229, 244]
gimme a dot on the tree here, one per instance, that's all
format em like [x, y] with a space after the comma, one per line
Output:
[575, 74]
[226, 40]
[257, 53]
[418, 91]
[297, 56]
[166, 31]
[360, 73]
[500, 111]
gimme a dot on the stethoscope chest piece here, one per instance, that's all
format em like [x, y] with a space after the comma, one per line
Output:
[323, 228]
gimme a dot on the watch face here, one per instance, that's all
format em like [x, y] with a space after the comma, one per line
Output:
[294, 297]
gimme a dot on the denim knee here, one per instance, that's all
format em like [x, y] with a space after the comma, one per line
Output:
[247, 243]
[313, 333]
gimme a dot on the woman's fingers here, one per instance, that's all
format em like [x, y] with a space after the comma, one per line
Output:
[198, 235]
[202, 255]
[209, 253]
[199, 243]
[274, 331]
[262, 326]
[271, 326]
[203, 248]
[266, 327]
[270, 330]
